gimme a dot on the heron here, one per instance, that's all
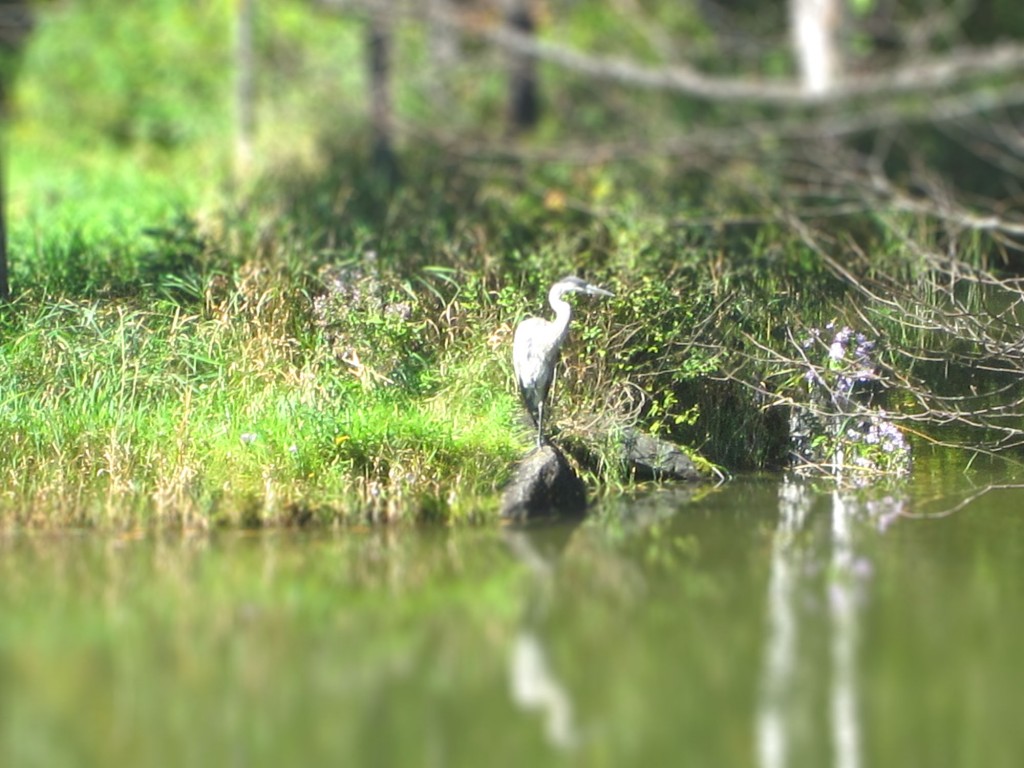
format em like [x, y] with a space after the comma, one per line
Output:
[536, 345]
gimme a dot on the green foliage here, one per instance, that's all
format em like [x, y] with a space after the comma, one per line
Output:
[664, 414]
[326, 343]
[863, 7]
[144, 85]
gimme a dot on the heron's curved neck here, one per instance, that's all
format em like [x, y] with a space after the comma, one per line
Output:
[563, 311]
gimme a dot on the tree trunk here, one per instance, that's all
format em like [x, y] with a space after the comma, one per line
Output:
[443, 46]
[523, 103]
[444, 40]
[379, 31]
[815, 28]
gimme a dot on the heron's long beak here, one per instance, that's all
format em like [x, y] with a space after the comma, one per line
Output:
[593, 290]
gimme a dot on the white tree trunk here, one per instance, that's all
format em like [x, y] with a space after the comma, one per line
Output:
[815, 28]
[444, 40]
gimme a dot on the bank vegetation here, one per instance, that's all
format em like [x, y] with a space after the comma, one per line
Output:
[265, 267]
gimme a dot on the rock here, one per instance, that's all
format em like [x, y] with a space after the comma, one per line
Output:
[650, 457]
[544, 486]
[638, 454]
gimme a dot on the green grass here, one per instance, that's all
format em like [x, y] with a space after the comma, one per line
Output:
[109, 407]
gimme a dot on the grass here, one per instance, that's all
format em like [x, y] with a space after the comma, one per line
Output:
[223, 416]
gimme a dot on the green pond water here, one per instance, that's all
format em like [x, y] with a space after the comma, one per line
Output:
[760, 623]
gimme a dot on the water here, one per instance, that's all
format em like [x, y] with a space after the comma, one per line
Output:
[761, 623]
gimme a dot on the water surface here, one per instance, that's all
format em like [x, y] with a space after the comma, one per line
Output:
[761, 623]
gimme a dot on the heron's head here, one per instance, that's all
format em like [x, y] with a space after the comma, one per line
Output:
[573, 284]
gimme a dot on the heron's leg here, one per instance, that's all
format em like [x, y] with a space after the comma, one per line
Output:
[540, 423]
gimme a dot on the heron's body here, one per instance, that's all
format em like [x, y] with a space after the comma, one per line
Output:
[537, 343]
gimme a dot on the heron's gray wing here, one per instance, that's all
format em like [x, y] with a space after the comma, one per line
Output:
[534, 352]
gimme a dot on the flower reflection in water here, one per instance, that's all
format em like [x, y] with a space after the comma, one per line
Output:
[816, 592]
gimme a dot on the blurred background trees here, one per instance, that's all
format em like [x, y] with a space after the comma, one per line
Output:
[636, 78]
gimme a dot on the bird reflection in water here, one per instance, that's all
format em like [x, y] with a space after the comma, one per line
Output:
[534, 684]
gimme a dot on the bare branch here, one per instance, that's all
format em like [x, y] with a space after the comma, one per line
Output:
[920, 76]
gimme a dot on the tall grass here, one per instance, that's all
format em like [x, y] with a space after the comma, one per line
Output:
[226, 413]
